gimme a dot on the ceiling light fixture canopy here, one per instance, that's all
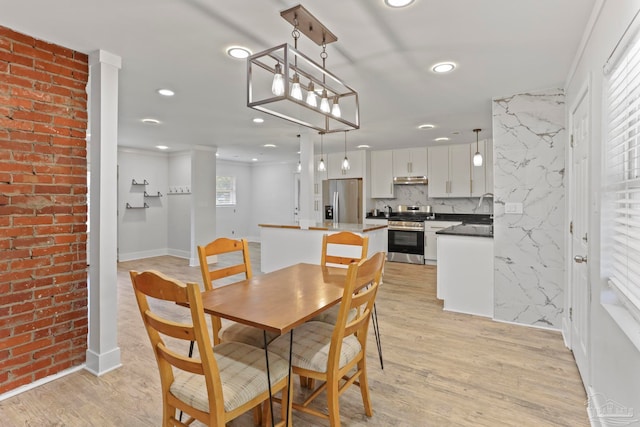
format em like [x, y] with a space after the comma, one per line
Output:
[477, 158]
[290, 73]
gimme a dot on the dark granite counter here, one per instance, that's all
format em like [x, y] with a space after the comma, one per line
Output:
[471, 230]
[454, 217]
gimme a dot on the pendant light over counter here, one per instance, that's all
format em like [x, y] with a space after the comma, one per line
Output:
[477, 158]
[345, 163]
[321, 166]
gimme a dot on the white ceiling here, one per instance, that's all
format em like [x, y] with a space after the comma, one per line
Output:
[501, 47]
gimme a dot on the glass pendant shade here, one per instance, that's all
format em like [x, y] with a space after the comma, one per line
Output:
[299, 166]
[324, 102]
[277, 87]
[345, 163]
[311, 96]
[477, 159]
[296, 91]
[321, 166]
[335, 110]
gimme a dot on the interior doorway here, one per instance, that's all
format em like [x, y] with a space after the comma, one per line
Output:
[578, 267]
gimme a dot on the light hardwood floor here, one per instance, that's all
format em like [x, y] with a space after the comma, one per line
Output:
[441, 368]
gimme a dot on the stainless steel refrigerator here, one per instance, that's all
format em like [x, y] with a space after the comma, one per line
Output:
[342, 200]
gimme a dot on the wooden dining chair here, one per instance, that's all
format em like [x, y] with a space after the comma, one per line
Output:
[233, 331]
[218, 384]
[336, 354]
[339, 242]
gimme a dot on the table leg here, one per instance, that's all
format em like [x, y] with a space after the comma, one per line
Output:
[289, 389]
[376, 332]
[266, 355]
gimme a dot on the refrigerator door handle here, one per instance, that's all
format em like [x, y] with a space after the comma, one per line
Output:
[336, 208]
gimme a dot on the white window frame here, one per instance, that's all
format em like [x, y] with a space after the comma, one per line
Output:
[230, 200]
[621, 196]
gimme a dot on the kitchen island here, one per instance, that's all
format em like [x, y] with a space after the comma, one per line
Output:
[465, 268]
[283, 245]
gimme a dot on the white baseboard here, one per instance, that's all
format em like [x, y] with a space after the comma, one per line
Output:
[40, 382]
[546, 328]
[131, 256]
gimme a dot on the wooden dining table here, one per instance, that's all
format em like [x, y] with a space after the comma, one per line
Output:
[278, 301]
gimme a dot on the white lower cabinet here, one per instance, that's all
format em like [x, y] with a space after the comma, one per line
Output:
[430, 239]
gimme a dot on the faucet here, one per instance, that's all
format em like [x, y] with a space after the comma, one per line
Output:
[482, 198]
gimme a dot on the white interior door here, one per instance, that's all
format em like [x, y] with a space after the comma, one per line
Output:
[580, 291]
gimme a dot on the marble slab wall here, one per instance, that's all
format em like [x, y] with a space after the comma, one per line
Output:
[529, 164]
[419, 195]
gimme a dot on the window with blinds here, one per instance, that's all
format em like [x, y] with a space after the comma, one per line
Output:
[623, 173]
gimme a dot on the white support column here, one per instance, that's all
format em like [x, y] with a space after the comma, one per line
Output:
[103, 353]
[307, 176]
[203, 199]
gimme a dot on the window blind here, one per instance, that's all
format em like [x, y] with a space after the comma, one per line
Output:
[623, 172]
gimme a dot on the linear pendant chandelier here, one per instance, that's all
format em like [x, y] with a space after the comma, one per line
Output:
[284, 82]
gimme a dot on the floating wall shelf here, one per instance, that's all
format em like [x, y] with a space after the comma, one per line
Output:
[159, 194]
[134, 182]
[145, 206]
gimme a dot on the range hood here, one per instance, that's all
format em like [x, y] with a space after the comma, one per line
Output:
[410, 180]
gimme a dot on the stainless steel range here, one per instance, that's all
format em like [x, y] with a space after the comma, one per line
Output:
[406, 234]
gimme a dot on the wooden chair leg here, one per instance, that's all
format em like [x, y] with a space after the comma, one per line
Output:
[333, 404]
[364, 387]
[257, 415]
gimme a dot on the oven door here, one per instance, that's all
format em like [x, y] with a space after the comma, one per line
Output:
[406, 246]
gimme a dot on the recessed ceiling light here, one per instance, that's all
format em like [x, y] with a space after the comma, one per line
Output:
[151, 121]
[166, 92]
[258, 120]
[162, 147]
[363, 146]
[254, 160]
[398, 3]
[238, 52]
[426, 126]
[270, 145]
[443, 67]
[217, 154]
[444, 138]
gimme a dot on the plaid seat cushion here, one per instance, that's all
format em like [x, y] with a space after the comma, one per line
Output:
[311, 342]
[237, 332]
[331, 315]
[243, 374]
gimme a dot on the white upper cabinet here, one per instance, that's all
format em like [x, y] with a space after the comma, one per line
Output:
[482, 176]
[382, 174]
[410, 162]
[356, 165]
[450, 171]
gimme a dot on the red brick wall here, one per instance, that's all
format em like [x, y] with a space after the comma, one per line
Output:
[43, 209]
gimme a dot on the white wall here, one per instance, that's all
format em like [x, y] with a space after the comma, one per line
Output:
[141, 232]
[615, 362]
[179, 205]
[234, 222]
[272, 189]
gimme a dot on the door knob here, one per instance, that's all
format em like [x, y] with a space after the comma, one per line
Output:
[580, 259]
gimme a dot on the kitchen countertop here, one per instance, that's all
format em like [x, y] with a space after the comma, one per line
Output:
[472, 230]
[328, 226]
[455, 217]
